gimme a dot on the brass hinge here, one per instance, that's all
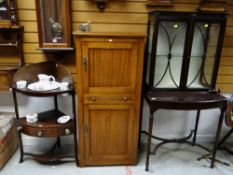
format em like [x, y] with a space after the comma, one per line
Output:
[86, 129]
[85, 63]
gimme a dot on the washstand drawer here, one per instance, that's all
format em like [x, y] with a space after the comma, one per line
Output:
[108, 98]
[40, 132]
[51, 132]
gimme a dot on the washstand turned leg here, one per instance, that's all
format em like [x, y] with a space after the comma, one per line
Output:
[20, 145]
[18, 127]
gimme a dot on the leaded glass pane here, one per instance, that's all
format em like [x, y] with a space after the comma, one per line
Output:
[169, 54]
[202, 59]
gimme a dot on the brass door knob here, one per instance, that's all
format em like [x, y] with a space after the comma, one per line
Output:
[125, 98]
[93, 98]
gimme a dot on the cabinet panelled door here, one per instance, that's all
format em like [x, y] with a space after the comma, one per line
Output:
[109, 66]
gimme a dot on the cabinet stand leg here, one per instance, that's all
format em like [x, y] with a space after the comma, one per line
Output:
[151, 119]
[196, 127]
[217, 137]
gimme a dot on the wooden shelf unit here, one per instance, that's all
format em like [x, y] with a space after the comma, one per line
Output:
[47, 125]
[11, 57]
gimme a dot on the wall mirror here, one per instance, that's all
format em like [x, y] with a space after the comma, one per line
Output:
[53, 19]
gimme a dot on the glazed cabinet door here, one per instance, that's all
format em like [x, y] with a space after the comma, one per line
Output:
[109, 134]
[109, 65]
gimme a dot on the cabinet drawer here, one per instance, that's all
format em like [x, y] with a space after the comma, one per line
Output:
[108, 98]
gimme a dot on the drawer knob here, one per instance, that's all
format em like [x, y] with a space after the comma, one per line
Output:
[67, 131]
[125, 98]
[39, 134]
[93, 98]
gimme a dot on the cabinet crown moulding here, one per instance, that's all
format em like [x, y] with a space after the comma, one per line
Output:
[160, 3]
[101, 4]
[213, 6]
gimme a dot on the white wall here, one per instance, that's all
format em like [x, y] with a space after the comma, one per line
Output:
[171, 123]
[166, 124]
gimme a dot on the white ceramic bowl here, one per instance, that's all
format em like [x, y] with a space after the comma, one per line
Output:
[63, 119]
[64, 85]
[21, 84]
[32, 117]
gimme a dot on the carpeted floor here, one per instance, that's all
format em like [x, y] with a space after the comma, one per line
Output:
[181, 160]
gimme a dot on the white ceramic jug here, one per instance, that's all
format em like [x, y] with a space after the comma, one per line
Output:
[46, 80]
[43, 78]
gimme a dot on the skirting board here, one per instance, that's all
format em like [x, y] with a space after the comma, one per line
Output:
[69, 139]
[200, 138]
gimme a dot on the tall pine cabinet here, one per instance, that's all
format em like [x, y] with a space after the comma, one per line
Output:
[109, 78]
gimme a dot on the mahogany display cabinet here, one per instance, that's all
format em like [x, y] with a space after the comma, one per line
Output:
[181, 67]
[183, 50]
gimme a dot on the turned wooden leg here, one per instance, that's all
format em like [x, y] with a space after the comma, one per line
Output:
[151, 119]
[217, 138]
[20, 146]
[196, 127]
